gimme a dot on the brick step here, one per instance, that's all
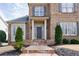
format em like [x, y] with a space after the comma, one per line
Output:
[38, 49]
[39, 42]
[36, 42]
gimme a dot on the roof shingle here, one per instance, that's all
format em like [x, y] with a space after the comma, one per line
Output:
[21, 19]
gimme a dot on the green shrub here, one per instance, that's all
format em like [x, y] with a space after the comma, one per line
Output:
[65, 41]
[58, 34]
[6, 41]
[18, 39]
[73, 41]
[18, 46]
[2, 36]
[19, 35]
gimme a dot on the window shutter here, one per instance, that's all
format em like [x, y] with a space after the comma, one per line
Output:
[59, 7]
[77, 28]
[44, 11]
[33, 11]
[75, 7]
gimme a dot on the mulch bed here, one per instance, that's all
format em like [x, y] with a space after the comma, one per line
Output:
[66, 52]
[12, 52]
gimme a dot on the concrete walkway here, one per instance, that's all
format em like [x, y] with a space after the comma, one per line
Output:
[6, 49]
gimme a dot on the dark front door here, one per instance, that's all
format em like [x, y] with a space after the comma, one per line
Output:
[39, 32]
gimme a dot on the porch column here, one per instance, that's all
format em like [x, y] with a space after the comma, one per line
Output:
[9, 34]
[45, 25]
[32, 29]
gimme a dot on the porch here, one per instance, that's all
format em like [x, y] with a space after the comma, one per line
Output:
[39, 30]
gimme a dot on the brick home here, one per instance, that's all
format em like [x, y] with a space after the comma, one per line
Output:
[39, 26]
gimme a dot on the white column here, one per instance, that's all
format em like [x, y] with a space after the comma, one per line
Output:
[32, 29]
[45, 25]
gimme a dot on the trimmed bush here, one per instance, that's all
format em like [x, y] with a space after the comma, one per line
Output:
[18, 39]
[18, 46]
[19, 35]
[2, 36]
[65, 41]
[58, 34]
[73, 41]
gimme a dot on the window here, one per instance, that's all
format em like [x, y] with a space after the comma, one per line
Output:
[69, 28]
[67, 7]
[39, 11]
[14, 30]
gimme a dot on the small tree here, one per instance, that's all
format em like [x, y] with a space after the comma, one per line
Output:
[19, 39]
[58, 34]
[2, 36]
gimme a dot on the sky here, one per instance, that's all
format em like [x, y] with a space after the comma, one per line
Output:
[10, 11]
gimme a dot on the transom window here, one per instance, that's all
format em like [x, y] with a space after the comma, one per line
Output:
[69, 28]
[67, 7]
[39, 11]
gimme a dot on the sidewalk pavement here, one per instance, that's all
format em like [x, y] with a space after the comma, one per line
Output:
[5, 49]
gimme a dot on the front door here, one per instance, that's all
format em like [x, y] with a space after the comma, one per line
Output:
[39, 32]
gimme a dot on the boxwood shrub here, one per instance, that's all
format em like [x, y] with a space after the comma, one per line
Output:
[65, 41]
[74, 41]
[2, 36]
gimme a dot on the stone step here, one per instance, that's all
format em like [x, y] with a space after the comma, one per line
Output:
[38, 49]
[39, 42]
[36, 42]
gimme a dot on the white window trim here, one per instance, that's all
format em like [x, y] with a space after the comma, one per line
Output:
[70, 34]
[16, 26]
[66, 7]
[67, 29]
[39, 11]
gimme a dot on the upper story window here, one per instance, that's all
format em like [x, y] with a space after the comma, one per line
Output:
[38, 11]
[67, 7]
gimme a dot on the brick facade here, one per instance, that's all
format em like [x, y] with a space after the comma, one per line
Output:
[53, 16]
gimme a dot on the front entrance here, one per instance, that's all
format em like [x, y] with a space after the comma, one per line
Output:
[39, 32]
